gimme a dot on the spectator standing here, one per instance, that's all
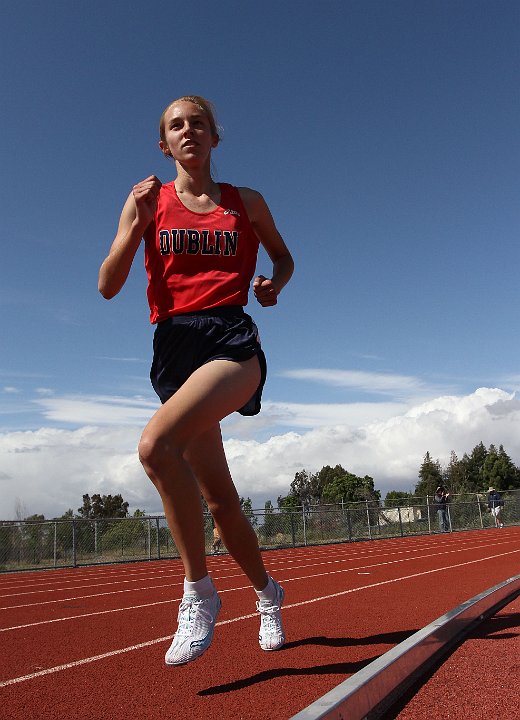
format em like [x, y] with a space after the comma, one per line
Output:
[440, 501]
[495, 505]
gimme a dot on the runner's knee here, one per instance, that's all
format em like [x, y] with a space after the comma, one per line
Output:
[156, 451]
[224, 508]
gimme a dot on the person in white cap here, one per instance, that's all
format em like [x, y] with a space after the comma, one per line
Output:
[495, 505]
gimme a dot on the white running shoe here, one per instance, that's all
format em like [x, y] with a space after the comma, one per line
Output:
[194, 634]
[271, 636]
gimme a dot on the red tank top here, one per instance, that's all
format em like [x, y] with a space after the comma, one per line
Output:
[197, 261]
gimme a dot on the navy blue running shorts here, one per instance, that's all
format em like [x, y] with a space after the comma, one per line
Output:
[183, 343]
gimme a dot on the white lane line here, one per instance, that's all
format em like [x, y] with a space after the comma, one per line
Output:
[318, 551]
[82, 586]
[86, 615]
[170, 567]
[86, 597]
[148, 643]
[173, 600]
[234, 575]
[113, 610]
[111, 579]
[98, 571]
[42, 583]
[77, 663]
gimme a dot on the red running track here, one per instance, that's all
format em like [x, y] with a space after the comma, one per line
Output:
[89, 642]
[483, 671]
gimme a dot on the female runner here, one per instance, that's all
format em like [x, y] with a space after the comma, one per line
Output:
[201, 241]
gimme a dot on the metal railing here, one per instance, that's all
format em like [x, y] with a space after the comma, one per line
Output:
[30, 544]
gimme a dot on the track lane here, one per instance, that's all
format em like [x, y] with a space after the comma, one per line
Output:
[328, 639]
[21, 616]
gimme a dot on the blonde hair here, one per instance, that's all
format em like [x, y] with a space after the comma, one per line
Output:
[205, 105]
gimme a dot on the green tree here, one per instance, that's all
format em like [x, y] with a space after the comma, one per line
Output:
[473, 467]
[306, 487]
[64, 533]
[511, 472]
[349, 488]
[129, 537]
[289, 503]
[456, 476]
[35, 537]
[247, 509]
[106, 506]
[499, 471]
[273, 523]
[86, 509]
[327, 476]
[7, 544]
[430, 477]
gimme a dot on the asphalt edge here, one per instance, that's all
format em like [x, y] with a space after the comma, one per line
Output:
[367, 693]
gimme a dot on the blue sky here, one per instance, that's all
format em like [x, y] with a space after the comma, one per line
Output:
[384, 137]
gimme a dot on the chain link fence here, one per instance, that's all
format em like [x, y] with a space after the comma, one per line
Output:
[28, 544]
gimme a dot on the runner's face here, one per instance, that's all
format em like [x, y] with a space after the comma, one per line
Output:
[188, 133]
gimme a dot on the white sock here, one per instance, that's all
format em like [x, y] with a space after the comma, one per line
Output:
[204, 587]
[269, 592]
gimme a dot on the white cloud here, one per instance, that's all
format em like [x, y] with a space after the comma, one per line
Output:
[98, 409]
[312, 415]
[512, 382]
[44, 391]
[383, 383]
[50, 469]
[390, 449]
[140, 361]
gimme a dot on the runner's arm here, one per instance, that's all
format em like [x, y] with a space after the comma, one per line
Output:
[267, 290]
[137, 213]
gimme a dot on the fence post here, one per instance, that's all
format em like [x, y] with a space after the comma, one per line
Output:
[428, 511]
[74, 551]
[480, 511]
[158, 542]
[291, 515]
[349, 525]
[304, 526]
[368, 521]
[149, 540]
[400, 520]
[55, 544]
